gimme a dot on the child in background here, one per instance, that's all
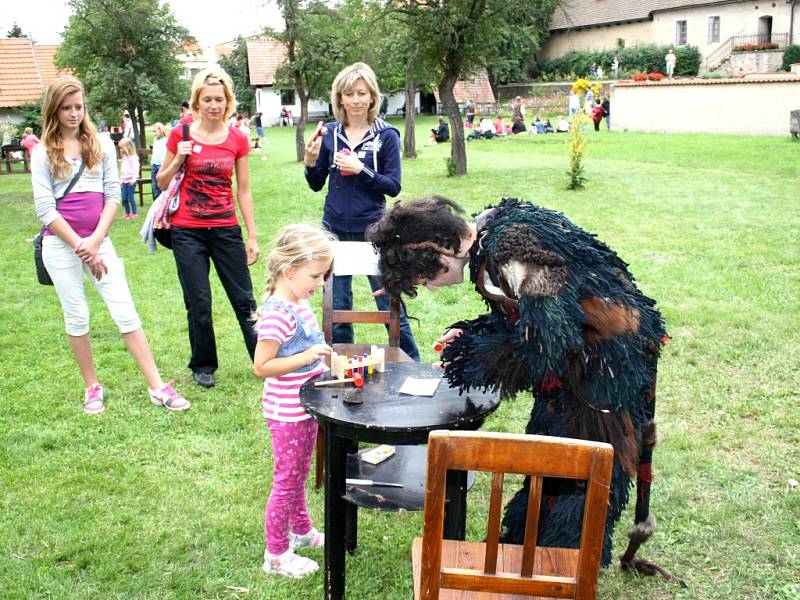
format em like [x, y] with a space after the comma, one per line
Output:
[289, 352]
[128, 176]
[160, 134]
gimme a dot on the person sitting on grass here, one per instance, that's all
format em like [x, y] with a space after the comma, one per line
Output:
[518, 126]
[562, 125]
[500, 127]
[441, 133]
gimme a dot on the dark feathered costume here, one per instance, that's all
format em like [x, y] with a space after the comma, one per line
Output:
[567, 323]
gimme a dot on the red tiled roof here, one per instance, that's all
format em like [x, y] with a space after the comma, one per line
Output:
[755, 78]
[263, 59]
[477, 88]
[26, 69]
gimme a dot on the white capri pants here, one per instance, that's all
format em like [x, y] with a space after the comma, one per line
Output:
[66, 270]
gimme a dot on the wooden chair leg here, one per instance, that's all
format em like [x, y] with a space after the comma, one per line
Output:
[320, 469]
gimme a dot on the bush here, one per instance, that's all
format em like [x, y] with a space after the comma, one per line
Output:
[450, 166]
[790, 56]
[712, 75]
[655, 76]
[646, 58]
[639, 76]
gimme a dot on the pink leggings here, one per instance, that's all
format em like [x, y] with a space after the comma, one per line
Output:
[292, 445]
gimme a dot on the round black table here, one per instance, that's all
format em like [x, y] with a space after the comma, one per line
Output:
[382, 415]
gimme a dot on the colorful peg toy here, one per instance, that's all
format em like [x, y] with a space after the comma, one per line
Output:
[343, 367]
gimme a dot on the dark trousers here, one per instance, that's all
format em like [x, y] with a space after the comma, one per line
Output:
[194, 249]
[343, 300]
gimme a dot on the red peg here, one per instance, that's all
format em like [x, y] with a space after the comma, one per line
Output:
[358, 380]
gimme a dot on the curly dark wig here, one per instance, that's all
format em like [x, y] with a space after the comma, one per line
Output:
[434, 219]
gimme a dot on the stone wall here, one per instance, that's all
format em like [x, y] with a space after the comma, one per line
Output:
[763, 61]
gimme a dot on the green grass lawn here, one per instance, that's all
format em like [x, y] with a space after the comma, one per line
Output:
[140, 503]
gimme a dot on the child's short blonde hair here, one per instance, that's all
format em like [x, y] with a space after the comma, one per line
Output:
[295, 245]
[128, 146]
[159, 129]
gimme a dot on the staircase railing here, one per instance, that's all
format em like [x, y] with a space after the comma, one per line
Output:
[721, 54]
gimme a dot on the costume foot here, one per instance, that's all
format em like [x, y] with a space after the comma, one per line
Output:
[204, 379]
[645, 567]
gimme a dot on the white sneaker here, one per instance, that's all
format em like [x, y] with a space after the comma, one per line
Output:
[289, 564]
[312, 539]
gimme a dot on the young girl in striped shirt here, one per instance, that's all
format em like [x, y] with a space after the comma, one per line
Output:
[289, 352]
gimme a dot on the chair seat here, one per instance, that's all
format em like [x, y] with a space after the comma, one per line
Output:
[559, 562]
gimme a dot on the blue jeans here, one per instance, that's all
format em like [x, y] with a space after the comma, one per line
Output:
[153, 183]
[128, 199]
[343, 300]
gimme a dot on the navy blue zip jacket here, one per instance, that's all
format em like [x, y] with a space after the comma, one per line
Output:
[355, 201]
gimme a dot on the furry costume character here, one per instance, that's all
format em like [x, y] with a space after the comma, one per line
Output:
[566, 323]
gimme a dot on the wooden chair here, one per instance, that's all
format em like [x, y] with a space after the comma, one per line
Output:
[356, 258]
[144, 173]
[505, 571]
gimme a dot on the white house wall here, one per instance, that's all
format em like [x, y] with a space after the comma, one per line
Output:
[603, 37]
[736, 107]
[740, 18]
[268, 101]
[736, 18]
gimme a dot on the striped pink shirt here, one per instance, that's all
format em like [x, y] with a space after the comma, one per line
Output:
[281, 398]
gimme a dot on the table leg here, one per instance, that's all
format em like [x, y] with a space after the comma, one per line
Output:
[335, 506]
[351, 510]
[455, 509]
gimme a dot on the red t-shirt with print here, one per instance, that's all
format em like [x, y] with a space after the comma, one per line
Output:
[207, 190]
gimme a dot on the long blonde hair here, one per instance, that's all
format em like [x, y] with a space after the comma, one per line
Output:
[296, 245]
[212, 77]
[91, 150]
[346, 81]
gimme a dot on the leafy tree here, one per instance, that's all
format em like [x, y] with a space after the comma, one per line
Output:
[125, 55]
[15, 31]
[32, 116]
[315, 47]
[461, 36]
[235, 65]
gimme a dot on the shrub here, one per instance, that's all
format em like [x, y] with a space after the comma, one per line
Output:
[577, 150]
[791, 55]
[642, 57]
[655, 76]
[712, 75]
[639, 76]
[450, 166]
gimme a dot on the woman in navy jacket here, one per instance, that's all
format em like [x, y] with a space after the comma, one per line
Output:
[359, 155]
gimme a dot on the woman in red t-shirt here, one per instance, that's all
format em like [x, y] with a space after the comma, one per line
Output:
[205, 227]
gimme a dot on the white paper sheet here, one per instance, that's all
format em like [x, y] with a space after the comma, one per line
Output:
[414, 386]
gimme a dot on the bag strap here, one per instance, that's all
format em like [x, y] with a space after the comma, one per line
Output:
[185, 132]
[72, 182]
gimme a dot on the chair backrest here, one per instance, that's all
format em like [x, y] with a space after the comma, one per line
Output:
[357, 258]
[538, 457]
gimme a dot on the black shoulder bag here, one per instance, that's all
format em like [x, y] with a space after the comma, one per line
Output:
[41, 272]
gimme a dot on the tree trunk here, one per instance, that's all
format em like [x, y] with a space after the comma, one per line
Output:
[409, 138]
[458, 149]
[138, 122]
[300, 132]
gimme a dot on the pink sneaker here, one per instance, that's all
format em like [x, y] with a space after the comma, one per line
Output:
[169, 398]
[93, 399]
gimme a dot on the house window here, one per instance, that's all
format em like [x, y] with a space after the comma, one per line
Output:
[680, 32]
[713, 30]
[287, 97]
